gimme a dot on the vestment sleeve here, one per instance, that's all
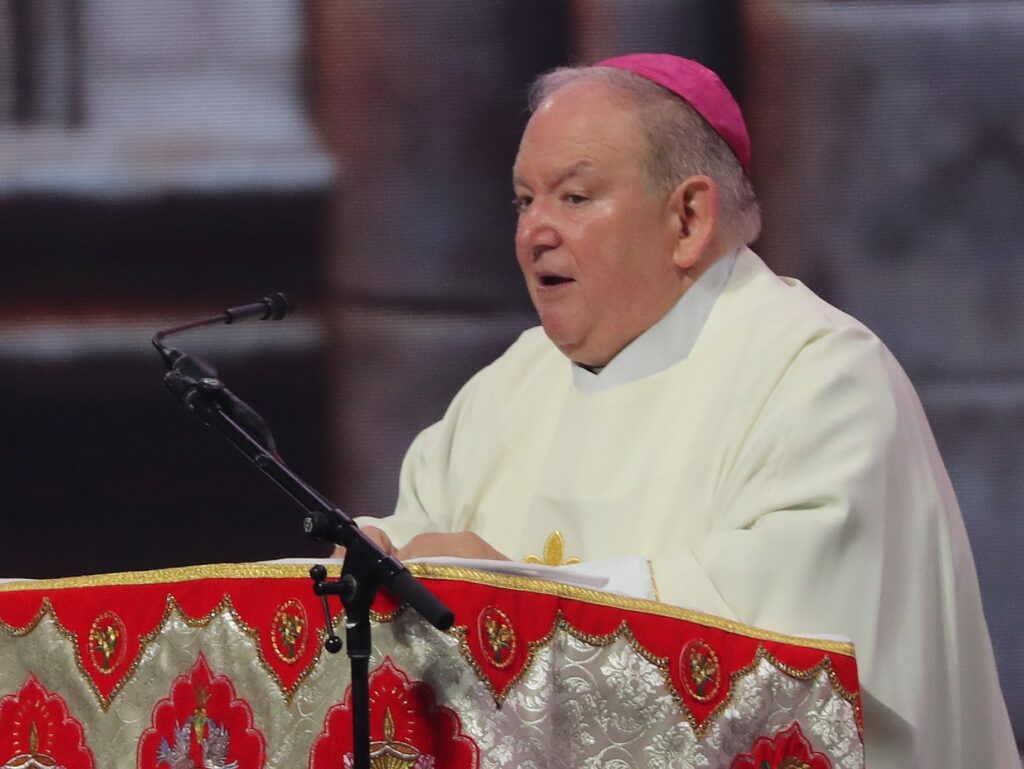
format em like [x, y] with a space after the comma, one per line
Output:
[837, 517]
[423, 503]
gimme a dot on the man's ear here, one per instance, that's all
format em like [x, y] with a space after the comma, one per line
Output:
[695, 217]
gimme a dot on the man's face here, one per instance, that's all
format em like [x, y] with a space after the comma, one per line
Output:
[594, 245]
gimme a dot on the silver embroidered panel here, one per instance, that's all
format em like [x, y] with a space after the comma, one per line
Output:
[577, 705]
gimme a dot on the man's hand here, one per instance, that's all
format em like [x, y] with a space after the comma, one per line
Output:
[459, 544]
[377, 536]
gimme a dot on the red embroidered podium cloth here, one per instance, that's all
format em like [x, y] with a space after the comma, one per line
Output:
[222, 667]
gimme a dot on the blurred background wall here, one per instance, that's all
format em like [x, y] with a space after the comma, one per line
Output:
[162, 161]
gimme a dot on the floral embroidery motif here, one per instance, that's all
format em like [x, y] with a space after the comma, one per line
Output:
[497, 637]
[788, 749]
[554, 552]
[36, 730]
[700, 670]
[289, 630]
[408, 730]
[107, 642]
[202, 724]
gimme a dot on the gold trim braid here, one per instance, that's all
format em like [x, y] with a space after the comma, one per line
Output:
[165, 576]
[534, 585]
[430, 571]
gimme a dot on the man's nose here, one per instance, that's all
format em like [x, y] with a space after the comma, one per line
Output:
[537, 230]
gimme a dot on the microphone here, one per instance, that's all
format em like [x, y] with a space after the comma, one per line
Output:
[196, 383]
[271, 307]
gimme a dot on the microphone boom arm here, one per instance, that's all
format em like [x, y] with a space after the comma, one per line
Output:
[198, 387]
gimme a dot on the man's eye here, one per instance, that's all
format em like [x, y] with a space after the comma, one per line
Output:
[521, 203]
[576, 199]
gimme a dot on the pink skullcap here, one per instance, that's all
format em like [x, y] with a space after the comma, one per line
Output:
[701, 89]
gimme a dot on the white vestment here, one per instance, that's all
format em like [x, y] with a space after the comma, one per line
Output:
[782, 474]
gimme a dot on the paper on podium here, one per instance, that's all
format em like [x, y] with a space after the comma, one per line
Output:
[629, 575]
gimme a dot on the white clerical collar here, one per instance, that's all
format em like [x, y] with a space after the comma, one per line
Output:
[666, 342]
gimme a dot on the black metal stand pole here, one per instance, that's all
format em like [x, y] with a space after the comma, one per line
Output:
[356, 589]
[358, 596]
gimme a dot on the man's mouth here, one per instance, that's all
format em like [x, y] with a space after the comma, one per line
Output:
[547, 281]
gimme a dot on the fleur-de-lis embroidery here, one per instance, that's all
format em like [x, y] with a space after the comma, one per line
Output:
[554, 552]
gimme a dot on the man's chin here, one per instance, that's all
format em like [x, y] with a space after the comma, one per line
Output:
[576, 344]
[571, 347]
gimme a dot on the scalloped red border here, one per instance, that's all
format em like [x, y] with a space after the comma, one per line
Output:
[534, 617]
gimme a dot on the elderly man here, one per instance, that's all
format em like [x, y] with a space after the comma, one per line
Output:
[763, 450]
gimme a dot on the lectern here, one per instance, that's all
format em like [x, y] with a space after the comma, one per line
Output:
[222, 667]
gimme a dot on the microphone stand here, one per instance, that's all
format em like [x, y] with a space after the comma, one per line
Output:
[196, 385]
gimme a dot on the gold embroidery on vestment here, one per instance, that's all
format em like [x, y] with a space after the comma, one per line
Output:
[554, 552]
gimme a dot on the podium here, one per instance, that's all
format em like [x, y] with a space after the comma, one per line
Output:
[222, 667]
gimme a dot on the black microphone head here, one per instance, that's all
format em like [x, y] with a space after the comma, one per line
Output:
[278, 305]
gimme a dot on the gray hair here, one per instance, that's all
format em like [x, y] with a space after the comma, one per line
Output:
[680, 144]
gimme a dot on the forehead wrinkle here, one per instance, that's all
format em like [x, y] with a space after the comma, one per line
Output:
[583, 124]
